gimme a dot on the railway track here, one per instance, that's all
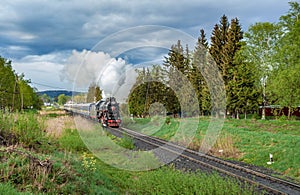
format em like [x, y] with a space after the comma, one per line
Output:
[268, 183]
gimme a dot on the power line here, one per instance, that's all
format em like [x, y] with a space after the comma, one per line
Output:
[53, 87]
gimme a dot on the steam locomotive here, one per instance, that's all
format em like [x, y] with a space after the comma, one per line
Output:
[105, 111]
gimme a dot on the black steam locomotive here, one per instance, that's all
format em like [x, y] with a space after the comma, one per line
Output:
[108, 112]
[105, 111]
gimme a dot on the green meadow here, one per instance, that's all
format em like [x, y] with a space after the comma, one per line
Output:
[247, 140]
[37, 160]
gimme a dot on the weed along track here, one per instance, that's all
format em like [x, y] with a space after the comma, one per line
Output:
[193, 160]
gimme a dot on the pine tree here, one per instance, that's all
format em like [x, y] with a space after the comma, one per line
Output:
[176, 61]
[231, 67]
[196, 72]
[225, 43]
[202, 39]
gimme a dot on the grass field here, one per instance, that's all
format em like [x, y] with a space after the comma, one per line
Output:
[250, 141]
[39, 160]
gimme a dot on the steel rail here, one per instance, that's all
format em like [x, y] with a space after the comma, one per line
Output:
[200, 158]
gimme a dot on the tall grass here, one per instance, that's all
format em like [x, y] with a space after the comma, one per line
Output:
[22, 128]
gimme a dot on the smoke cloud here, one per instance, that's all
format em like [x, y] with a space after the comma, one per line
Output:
[85, 67]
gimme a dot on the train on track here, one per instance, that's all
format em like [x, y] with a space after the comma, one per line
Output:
[107, 111]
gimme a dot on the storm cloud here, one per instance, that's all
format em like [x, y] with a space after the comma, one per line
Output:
[40, 28]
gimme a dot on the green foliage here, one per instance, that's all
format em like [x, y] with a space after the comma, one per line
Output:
[225, 45]
[197, 73]
[151, 88]
[23, 128]
[7, 188]
[125, 142]
[62, 99]
[284, 80]
[89, 162]
[46, 98]
[15, 91]
[59, 173]
[71, 141]
[79, 172]
[177, 182]
[94, 93]
[253, 138]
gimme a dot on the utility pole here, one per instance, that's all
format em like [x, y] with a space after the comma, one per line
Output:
[13, 98]
[263, 114]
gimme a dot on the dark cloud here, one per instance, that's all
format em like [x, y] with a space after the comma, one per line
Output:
[46, 26]
[41, 27]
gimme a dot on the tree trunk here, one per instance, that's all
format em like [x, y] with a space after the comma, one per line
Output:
[217, 114]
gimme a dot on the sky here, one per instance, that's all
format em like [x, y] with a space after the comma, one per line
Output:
[66, 44]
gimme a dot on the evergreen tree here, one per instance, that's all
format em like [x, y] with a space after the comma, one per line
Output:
[176, 61]
[202, 39]
[230, 66]
[217, 47]
[196, 77]
[225, 43]
[94, 93]
[244, 86]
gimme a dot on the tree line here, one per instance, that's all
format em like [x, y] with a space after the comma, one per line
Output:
[15, 91]
[259, 67]
[94, 94]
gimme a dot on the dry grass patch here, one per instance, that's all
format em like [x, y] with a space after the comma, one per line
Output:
[224, 147]
[55, 126]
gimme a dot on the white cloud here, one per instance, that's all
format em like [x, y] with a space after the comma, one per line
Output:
[43, 70]
[85, 67]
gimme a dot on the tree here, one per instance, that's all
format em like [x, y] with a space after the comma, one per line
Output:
[284, 80]
[225, 43]
[79, 98]
[15, 91]
[94, 93]
[218, 41]
[45, 98]
[150, 88]
[8, 85]
[244, 85]
[261, 40]
[231, 67]
[178, 71]
[62, 99]
[196, 71]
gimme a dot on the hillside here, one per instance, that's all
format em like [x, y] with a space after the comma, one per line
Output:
[56, 93]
